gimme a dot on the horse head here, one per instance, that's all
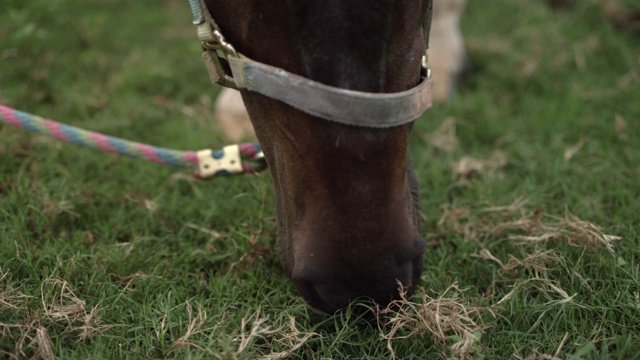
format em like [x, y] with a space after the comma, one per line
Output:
[346, 196]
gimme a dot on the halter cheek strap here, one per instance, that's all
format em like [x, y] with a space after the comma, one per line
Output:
[357, 108]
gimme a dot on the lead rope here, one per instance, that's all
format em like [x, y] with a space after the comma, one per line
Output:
[233, 159]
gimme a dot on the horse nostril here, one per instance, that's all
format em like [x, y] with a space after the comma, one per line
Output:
[322, 291]
[319, 295]
[310, 293]
[332, 283]
[335, 295]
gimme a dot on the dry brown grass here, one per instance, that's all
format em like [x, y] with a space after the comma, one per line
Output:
[537, 262]
[10, 297]
[444, 137]
[292, 339]
[450, 319]
[52, 209]
[469, 167]
[59, 307]
[535, 355]
[622, 129]
[255, 327]
[517, 223]
[446, 316]
[194, 327]
[572, 151]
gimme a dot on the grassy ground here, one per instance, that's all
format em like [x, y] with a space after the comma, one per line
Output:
[528, 177]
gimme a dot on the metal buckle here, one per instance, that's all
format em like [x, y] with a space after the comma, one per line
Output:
[226, 162]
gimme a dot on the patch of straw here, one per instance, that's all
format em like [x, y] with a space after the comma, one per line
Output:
[536, 262]
[53, 209]
[575, 231]
[10, 298]
[65, 308]
[44, 343]
[91, 324]
[60, 307]
[516, 222]
[444, 137]
[449, 316]
[535, 355]
[194, 327]
[622, 129]
[572, 151]
[258, 328]
[550, 289]
[469, 167]
[292, 340]
[64, 305]
[141, 201]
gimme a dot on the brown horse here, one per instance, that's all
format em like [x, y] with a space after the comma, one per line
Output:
[346, 196]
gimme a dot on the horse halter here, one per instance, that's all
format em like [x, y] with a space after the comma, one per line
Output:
[230, 69]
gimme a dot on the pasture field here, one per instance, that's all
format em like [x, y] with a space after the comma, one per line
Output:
[530, 184]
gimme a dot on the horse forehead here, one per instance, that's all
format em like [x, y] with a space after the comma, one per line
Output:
[346, 44]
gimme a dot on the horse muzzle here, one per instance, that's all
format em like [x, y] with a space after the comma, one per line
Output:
[330, 282]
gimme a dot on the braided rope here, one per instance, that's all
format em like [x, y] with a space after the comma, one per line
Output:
[250, 152]
[252, 159]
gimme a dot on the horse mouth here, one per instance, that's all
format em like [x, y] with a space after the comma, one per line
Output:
[331, 304]
[333, 297]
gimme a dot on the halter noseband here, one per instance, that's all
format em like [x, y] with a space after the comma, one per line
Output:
[228, 68]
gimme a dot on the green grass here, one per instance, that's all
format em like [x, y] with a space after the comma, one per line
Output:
[118, 249]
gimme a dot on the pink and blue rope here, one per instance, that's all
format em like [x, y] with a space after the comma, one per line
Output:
[176, 158]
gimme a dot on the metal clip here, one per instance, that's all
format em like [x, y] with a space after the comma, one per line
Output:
[216, 48]
[224, 162]
[215, 56]
[218, 69]
[426, 71]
